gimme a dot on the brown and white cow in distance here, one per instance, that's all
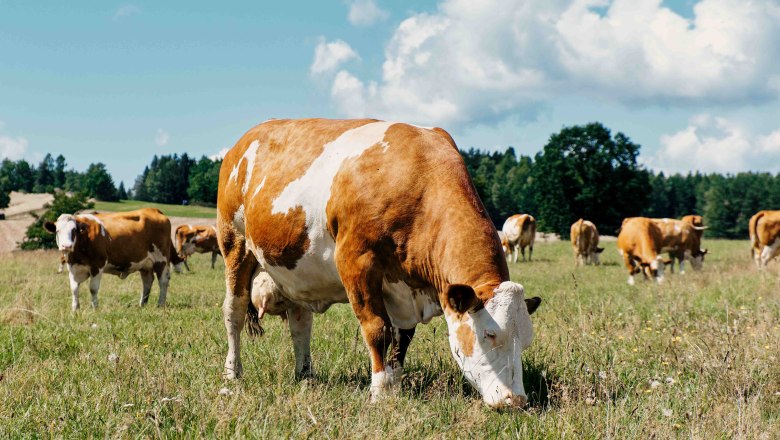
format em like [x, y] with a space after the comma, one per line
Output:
[764, 229]
[585, 242]
[382, 215]
[117, 244]
[682, 241]
[639, 243]
[202, 239]
[520, 231]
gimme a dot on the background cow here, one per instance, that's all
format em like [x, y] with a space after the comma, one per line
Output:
[199, 238]
[682, 241]
[640, 243]
[520, 231]
[117, 244]
[764, 229]
[585, 242]
[381, 215]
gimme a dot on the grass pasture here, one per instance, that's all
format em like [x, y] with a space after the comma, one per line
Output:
[169, 210]
[696, 357]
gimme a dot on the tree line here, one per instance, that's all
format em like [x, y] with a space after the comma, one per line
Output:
[586, 172]
[583, 171]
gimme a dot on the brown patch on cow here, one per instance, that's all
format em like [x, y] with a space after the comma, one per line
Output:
[466, 338]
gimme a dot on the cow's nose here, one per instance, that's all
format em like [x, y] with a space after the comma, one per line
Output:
[66, 248]
[516, 401]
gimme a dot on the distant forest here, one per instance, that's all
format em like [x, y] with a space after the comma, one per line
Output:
[582, 172]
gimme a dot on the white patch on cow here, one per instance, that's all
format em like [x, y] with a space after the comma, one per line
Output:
[314, 283]
[381, 381]
[407, 307]
[631, 280]
[97, 220]
[502, 330]
[259, 187]
[769, 251]
[250, 155]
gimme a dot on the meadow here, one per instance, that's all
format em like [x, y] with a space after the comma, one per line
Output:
[169, 210]
[695, 357]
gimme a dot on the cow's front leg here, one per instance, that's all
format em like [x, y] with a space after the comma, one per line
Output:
[515, 253]
[94, 286]
[75, 281]
[401, 340]
[300, 321]
[362, 279]
[163, 271]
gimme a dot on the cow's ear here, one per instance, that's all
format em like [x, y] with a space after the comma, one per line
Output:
[50, 227]
[599, 250]
[703, 251]
[532, 304]
[668, 262]
[461, 298]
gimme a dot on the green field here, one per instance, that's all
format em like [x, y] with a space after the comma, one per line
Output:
[696, 357]
[169, 210]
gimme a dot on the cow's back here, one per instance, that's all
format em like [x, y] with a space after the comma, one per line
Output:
[135, 235]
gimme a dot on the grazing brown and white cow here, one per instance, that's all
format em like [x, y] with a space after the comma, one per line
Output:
[190, 239]
[682, 241]
[117, 244]
[640, 242]
[764, 229]
[520, 231]
[382, 215]
[585, 242]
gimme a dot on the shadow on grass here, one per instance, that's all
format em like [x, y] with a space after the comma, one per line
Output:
[537, 382]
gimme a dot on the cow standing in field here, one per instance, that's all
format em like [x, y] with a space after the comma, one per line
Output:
[585, 242]
[381, 215]
[200, 238]
[639, 243]
[764, 229]
[117, 244]
[520, 231]
[682, 241]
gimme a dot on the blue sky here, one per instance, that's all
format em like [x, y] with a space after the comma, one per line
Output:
[695, 83]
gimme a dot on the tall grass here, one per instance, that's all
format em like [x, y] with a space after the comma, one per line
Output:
[695, 357]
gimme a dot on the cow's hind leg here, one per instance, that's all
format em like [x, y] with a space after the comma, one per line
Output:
[401, 340]
[213, 259]
[362, 279]
[530, 252]
[522, 251]
[147, 278]
[239, 267]
[300, 320]
[163, 271]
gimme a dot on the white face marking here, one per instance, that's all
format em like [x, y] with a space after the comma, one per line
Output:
[66, 232]
[502, 330]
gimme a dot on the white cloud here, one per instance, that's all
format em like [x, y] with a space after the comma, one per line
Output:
[716, 144]
[126, 10]
[365, 12]
[480, 62]
[329, 56]
[161, 138]
[220, 154]
[12, 148]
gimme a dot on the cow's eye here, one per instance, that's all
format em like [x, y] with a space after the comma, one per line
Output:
[490, 334]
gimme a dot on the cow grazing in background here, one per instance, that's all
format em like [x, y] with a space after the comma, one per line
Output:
[190, 239]
[520, 231]
[117, 244]
[504, 244]
[585, 242]
[764, 229]
[640, 242]
[682, 241]
[384, 216]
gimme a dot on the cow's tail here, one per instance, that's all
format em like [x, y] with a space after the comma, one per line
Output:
[753, 229]
[254, 327]
[175, 259]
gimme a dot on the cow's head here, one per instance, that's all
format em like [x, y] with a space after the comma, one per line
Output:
[595, 255]
[655, 268]
[68, 229]
[487, 340]
[697, 259]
